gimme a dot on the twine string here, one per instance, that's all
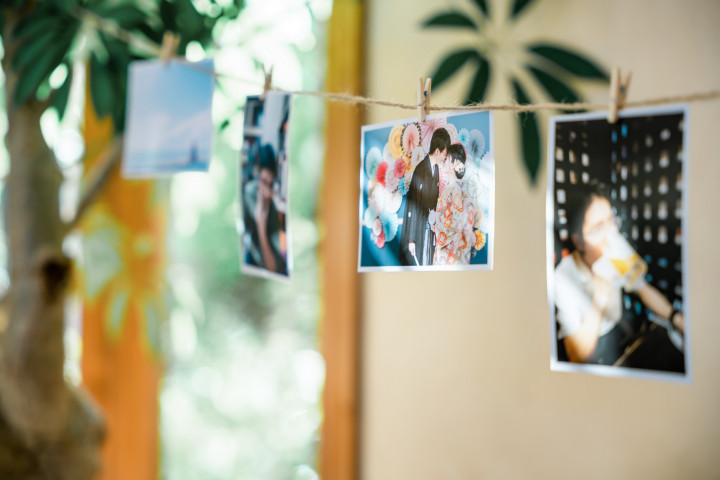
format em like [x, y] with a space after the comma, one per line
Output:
[113, 29]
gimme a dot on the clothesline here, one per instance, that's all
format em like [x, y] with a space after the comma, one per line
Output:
[533, 107]
[112, 28]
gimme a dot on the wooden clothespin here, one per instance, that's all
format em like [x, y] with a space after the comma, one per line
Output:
[423, 98]
[169, 46]
[268, 81]
[618, 93]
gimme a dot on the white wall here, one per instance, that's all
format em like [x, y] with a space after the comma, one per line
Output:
[456, 381]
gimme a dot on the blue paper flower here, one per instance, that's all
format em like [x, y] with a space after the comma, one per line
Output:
[373, 158]
[475, 146]
[464, 136]
[389, 224]
[403, 186]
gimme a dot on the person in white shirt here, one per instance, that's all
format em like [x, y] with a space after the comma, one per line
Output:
[589, 305]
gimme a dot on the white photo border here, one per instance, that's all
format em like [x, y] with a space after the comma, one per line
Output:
[609, 370]
[490, 153]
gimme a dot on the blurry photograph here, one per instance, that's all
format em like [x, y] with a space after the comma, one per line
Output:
[169, 123]
[616, 241]
[264, 186]
[427, 193]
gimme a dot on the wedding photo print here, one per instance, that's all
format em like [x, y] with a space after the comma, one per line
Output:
[427, 193]
[264, 168]
[616, 243]
[169, 123]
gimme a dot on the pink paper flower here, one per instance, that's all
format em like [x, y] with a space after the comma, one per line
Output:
[428, 127]
[380, 240]
[399, 168]
[410, 138]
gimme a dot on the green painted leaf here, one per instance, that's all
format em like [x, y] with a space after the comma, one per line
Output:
[480, 82]
[571, 61]
[451, 64]
[518, 6]
[452, 19]
[483, 6]
[61, 95]
[529, 134]
[116, 314]
[153, 317]
[558, 90]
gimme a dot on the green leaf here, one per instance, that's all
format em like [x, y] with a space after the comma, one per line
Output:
[518, 6]
[61, 95]
[33, 74]
[65, 5]
[483, 6]
[37, 23]
[479, 84]
[529, 134]
[451, 64]
[117, 67]
[571, 61]
[31, 50]
[127, 16]
[452, 19]
[555, 88]
[101, 87]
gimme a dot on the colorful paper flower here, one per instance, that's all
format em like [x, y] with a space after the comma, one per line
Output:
[403, 185]
[380, 240]
[380, 173]
[389, 225]
[399, 168]
[480, 240]
[377, 197]
[387, 156]
[391, 181]
[452, 131]
[476, 145]
[417, 156]
[464, 136]
[395, 141]
[394, 200]
[410, 138]
[372, 159]
[428, 127]
[369, 216]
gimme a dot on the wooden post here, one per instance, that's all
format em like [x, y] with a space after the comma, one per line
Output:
[339, 330]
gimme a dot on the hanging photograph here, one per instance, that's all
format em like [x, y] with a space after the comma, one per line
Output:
[264, 186]
[168, 127]
[427, 194]
[616, 246]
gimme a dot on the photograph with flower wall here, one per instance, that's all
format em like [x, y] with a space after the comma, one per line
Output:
[427, 194]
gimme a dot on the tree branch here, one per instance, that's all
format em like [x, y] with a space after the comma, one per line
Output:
[99, 177]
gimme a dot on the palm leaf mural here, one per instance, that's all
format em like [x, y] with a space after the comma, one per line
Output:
[552, 68]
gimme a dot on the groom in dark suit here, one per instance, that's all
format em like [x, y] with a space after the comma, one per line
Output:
[417, 241]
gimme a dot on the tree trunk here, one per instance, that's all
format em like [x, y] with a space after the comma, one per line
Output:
[48, 429]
